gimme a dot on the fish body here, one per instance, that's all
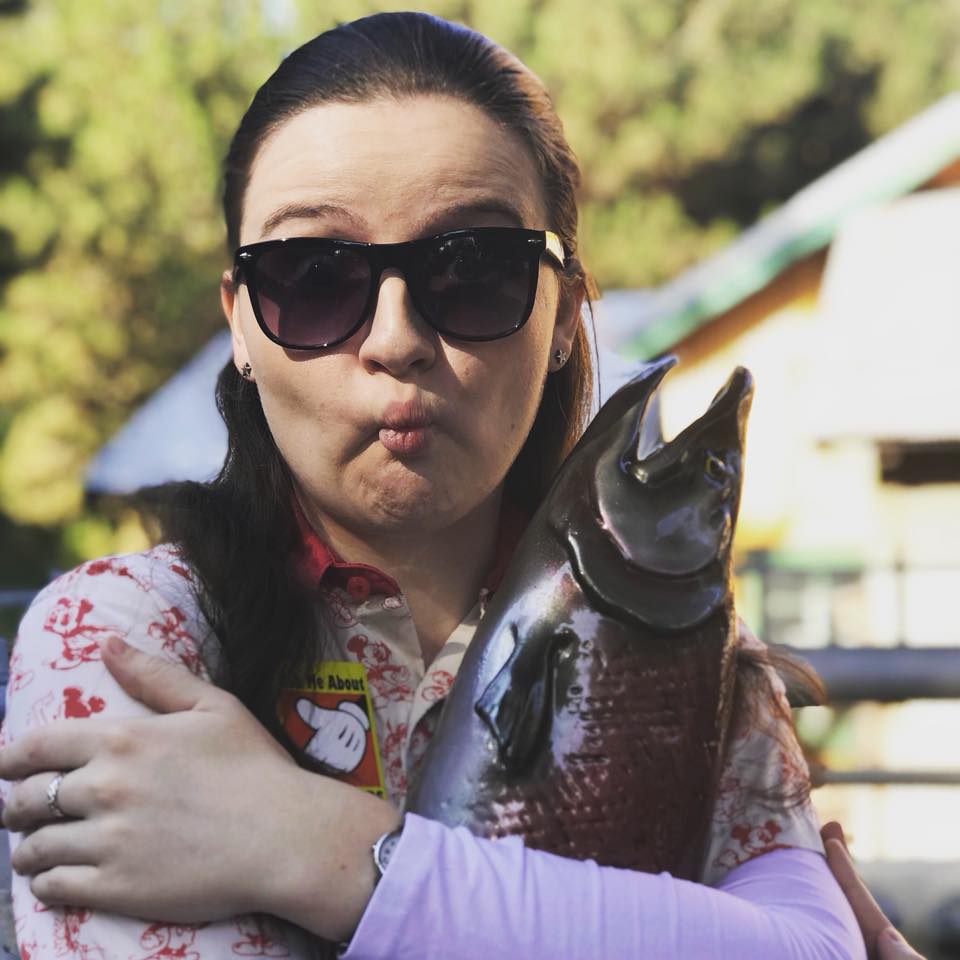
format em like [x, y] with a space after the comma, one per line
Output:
[590, 711]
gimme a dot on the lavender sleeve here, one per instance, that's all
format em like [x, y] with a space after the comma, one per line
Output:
[451, 896]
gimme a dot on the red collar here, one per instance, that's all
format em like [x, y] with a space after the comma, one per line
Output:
[319, 564]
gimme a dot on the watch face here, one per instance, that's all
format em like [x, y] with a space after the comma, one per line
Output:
[386, 850]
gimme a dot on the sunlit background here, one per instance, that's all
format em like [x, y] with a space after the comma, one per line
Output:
[774, 183]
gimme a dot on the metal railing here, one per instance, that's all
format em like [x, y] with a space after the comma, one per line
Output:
[839, 605]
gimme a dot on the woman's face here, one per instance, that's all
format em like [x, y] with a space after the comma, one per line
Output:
[382, 172]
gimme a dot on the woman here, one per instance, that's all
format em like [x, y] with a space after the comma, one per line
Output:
[395, 411]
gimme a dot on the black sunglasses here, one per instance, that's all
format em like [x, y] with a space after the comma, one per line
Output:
[313, 292]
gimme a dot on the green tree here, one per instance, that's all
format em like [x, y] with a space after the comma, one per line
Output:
[110, 241]
[690, 117]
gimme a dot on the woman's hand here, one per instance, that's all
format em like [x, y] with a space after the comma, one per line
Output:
[193, 815]
[883, 940]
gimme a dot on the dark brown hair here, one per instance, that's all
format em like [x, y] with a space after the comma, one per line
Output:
[239, 532]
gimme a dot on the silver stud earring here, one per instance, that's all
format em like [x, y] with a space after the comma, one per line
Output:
[559, 357]
[246, 371]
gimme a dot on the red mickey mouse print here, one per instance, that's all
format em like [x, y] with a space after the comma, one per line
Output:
[257, 940]
[170, 940]
[419, 741]
[80, 639]
[74, 704]
[69, 939]
[437, 686]
[28, 949]
[57, 673]
[338, 608]
[118, 568]
[730, 804]
[393, 766]
[26, 939]
[762, 801]
[44, 709]
[389, 681]
[170, 558]
[150, 600]
[174, 639]
[791, 770]
[20, 677]
[752, 840]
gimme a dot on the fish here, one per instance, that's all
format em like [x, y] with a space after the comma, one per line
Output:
[591, 709]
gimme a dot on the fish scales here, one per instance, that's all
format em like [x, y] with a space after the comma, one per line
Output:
[589, 714]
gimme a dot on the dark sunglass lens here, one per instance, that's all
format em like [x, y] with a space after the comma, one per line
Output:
[476, 286]
[311, 295]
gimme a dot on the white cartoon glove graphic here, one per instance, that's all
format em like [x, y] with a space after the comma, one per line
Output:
[340, 736]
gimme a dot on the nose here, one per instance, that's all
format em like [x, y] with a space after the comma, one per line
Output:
[399, 340]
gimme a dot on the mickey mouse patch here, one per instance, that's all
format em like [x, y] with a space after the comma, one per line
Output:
[330, 717]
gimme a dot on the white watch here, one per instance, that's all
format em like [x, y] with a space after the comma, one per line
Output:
[383, 850]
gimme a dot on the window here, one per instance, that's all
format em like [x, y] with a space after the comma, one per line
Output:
[911, 463]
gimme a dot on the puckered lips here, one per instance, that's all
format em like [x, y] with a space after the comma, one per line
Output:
[405, 428]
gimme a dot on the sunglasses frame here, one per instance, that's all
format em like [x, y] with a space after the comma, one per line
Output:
[383, 256]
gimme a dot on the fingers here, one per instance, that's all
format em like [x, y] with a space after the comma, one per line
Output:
[833, 831]
[869, 915]
[79, 795]
[157, 683]
[67, 885]
[68, 843]
[882, 938]
[28, 807]
[61, 745]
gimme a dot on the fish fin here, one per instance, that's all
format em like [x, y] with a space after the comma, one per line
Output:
[517, 701]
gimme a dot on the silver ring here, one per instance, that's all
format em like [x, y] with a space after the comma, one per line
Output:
[53, 790]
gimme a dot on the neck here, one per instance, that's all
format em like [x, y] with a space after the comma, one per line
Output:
[440, 571]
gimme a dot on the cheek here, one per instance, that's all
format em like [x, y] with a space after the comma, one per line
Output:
[523, 372]
[301, 403]
[288, 388]
[505, 399]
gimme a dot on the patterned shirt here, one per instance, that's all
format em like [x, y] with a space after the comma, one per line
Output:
[375, 672]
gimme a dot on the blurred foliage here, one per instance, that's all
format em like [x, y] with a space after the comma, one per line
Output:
[690, 117]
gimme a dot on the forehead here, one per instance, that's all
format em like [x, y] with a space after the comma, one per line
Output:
[387, 170]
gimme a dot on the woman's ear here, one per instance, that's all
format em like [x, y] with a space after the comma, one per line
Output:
[568, 318]
[228, 301]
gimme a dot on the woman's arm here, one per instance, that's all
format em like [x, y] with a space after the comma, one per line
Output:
[57, 674]
[774, 896]
[492, 893]
[448, 895]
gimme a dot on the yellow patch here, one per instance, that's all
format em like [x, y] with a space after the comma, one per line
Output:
[329, 715]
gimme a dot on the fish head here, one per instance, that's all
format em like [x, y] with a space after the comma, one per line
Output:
[671, 506]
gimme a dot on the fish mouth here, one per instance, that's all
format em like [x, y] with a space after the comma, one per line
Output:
[650, 458]
[666, 513]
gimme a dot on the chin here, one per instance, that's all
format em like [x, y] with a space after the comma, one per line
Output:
[399, 502]
[420, 503]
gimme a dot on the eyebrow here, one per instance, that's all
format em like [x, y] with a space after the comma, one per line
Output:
[311, 211]
[308, 211]
[491, 204]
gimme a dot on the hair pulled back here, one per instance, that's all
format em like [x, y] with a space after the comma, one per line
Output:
[239, 532]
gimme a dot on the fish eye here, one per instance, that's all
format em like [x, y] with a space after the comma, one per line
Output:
[715, 468]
